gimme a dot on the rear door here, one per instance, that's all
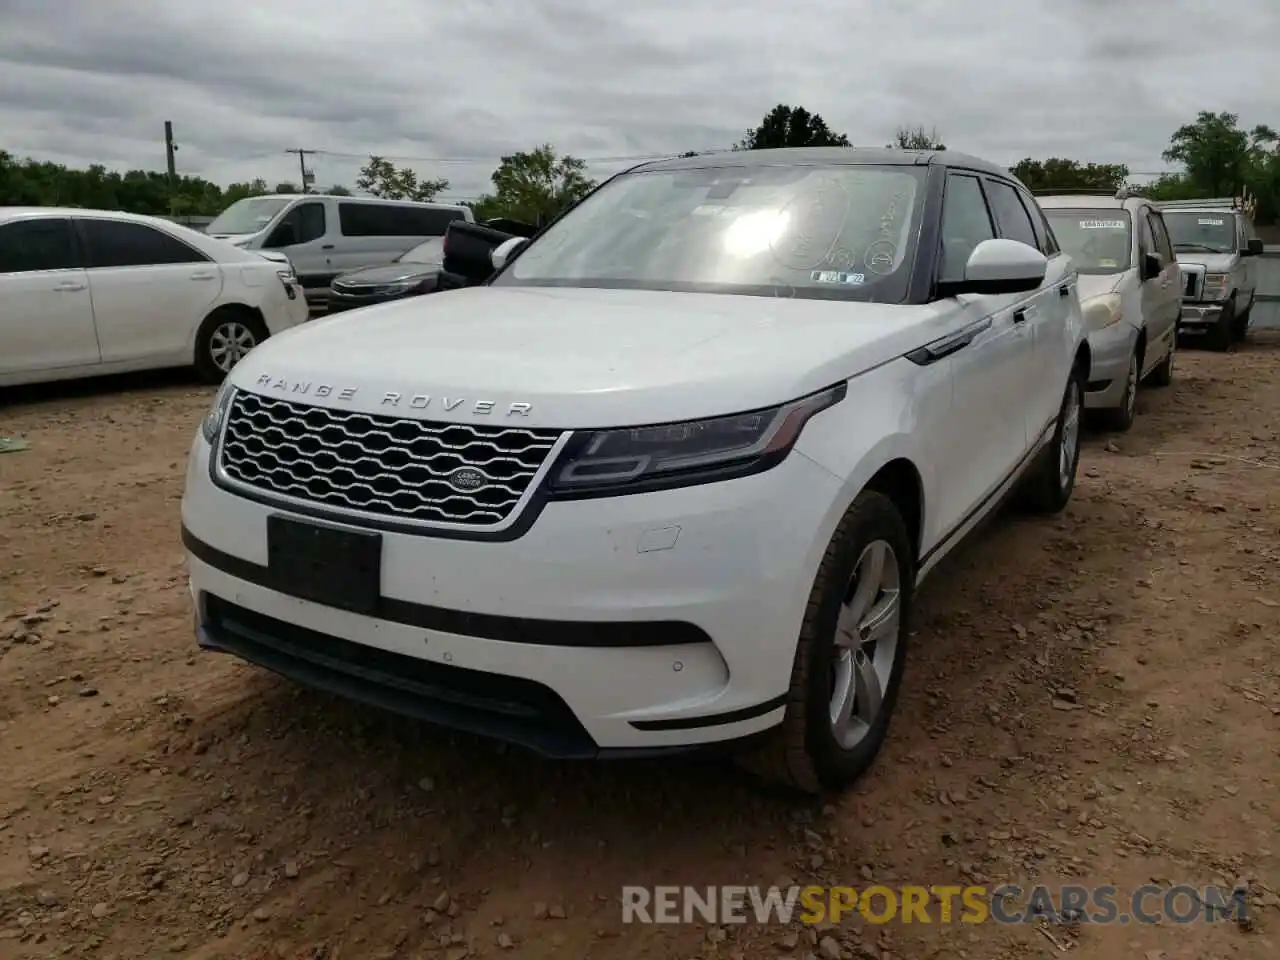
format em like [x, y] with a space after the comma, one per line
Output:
[46, 316]
[151, 291]
[1041, 314]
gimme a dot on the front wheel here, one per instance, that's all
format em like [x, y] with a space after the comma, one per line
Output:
[1048, 488]
[224, 339]
[1120, 418]
[1222, 335]
[849, 660]
[1162, 375]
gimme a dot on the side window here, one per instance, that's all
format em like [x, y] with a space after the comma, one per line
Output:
[29, 246]
[1160, 234]
[119, 243]
[1011, 215]
[1146, 238]
[432, 223]
[365, 220]
[966, 222]
[303, 224]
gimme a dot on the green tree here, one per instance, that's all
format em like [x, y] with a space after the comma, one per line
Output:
[382, 178]
[917, 138]
[787, 126]
[534, 186]
[1219, 158]
[1058, 173]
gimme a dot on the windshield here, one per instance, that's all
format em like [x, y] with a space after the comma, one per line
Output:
[840, 232]
[248, 215]
[429, 251]
[1202, 231]
[1098, 241]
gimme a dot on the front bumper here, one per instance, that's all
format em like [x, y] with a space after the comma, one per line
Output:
[1110, 349]
[1200, 317]
[623, 624]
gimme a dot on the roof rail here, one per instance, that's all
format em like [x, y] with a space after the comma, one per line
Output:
[1074, 191]
[1208, 203]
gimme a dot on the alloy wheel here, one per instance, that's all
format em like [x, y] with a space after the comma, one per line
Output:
[229, 343]
[866, 644]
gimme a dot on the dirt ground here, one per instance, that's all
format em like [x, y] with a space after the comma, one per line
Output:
[1094, 699]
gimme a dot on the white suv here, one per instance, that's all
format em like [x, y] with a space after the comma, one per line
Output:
[1130, 292]
[89, 292]
[670, 478]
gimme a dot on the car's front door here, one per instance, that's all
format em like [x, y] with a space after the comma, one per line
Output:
[308, 236]
[988, 434]
[1044, 311]
[1168, 304]
[46, 317]
[150, 290]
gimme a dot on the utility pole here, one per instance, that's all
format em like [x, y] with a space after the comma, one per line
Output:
[170, 148]
[307, 176]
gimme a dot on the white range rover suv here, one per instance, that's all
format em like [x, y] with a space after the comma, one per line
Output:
[670, 477]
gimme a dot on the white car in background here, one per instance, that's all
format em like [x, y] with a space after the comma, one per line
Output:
[671, 477]
[90, 292]
[1130, 291]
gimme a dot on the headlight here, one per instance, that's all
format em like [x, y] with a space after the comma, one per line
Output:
[390, 289]
[639, 459]
[1102, 312]
[1215, 284]
[211, 425]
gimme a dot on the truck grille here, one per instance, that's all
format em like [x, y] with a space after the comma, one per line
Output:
[1192, 282]
[393, 467]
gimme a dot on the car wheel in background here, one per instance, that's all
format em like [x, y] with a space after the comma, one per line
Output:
[1221, 335]
[1048, 488]
[1162, 375]
[224, 339]
[1120, 417]
[849, 660]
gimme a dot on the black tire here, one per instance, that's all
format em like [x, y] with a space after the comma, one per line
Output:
[803, 752]
[1222, 334]
[1240, 329]
[1162, 375]
[1047, 490]
[209, 363]
[1120, 418]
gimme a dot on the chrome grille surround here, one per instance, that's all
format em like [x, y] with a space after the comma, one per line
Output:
[380, 467]
[1192, 281]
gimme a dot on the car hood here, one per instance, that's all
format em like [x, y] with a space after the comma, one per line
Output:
[1096, 285]
[1212, 262]
[389, 273]
[582, 358]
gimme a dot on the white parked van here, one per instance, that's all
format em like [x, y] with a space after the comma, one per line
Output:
[326, 235]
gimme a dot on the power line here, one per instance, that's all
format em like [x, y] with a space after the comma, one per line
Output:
[307, 176]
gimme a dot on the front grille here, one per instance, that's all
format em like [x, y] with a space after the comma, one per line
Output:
[391, 467]
[1192, 281]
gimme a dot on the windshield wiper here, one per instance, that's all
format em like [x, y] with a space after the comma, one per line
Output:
[1198, 246]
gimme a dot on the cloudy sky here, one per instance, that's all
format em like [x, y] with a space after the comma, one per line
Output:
[451, 86]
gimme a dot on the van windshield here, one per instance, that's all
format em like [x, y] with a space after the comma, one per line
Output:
[248, 215]
[1097, 240]
[1202, 231]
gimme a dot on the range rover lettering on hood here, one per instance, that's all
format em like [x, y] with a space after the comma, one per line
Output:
[413, 401]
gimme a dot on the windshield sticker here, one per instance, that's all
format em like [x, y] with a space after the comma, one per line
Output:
[710, 210]
[1204, 222]
[1112, 264]
[1101, 224]
[836, 276]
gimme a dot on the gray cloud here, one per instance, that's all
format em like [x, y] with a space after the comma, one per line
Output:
[243, 80]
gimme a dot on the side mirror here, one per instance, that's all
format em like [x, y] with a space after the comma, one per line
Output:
[1254, 249]
[506, 250]
[469, 250]
[1000, 266]
[1152, 266]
